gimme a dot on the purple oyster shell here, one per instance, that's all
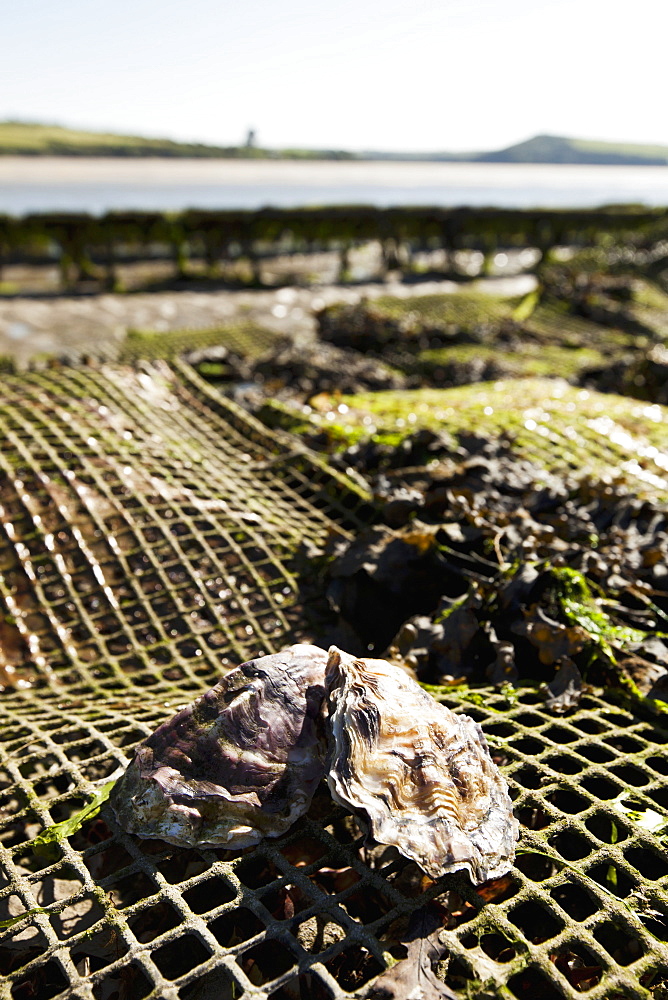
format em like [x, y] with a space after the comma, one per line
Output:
[239, 764]
[422, 776]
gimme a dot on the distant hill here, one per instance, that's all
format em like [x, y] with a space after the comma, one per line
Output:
[547, 149]
[557, 149]
[31, 139]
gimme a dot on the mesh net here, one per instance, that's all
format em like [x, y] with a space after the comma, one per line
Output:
[149, 535]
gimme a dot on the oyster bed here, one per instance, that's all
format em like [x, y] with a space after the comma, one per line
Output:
[154, 534]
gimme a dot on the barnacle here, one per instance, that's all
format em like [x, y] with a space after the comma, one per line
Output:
[421, 775]
[239, 764]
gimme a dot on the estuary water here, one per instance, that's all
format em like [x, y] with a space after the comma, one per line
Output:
[97, 185]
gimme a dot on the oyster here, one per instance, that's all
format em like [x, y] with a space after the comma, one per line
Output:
[422, 775]
[239, 764]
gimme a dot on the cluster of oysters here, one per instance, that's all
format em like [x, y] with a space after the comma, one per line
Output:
[244, 760]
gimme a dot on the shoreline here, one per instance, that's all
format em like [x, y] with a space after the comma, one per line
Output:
[81, 184]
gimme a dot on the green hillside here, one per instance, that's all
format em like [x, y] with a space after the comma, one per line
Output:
[558, 149]
[26, 138]
[31, 139]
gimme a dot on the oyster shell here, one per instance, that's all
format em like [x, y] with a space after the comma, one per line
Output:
[239, 764]
[422, 775]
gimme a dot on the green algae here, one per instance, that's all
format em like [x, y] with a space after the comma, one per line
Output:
[44, 843]
[537, 360]
[580, 607]
[466, 309]
[558, 427]
[242, 337]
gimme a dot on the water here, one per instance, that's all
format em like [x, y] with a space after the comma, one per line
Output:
[42, 184]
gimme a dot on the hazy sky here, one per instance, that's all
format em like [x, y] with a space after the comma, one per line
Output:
[357, 74]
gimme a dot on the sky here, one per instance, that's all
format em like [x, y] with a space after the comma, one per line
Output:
[411, 75]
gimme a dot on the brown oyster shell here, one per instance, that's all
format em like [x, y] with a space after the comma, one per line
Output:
[239, 764]
[421, 775]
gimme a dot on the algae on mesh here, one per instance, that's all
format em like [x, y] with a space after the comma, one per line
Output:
[542, 360]
[545, 421]
[241, 337]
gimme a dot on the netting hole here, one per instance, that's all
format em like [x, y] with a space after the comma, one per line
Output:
[498, 947]
[353, 967]
[18, 949]
[567, 801]
[181, 866]
[77, 917]
[335, 880]
[650, 864]
[98, 951]
[654, 735]
[632, 776]
[527, 745]
[235, 926]
[529, 777]
[612, 878]
[130, 889]
[533, 818]
[257, 871]
[303, 851]
[659, 764]
[532, 983]
[535, 867]
[536, 923]
[656, 923]
[606, 829]
[154, 921]
[558, 734]
[179, 956]
[129, 981]
[623, 945]
[42, 983]
[209, 894]
[217, 983]
[617, 719]
[498, 890]
[33, 862]
[597, 753]
[601, 788]
[625, 744]
[267, 961]
[563, 763]
[105, 862]
[23, 830]
[499, 730]
[577, 903]
[660, 796]
[571, 845]
[57, 784]
[285, 901]
[578, 966]
[366, 904]
[592, 726]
